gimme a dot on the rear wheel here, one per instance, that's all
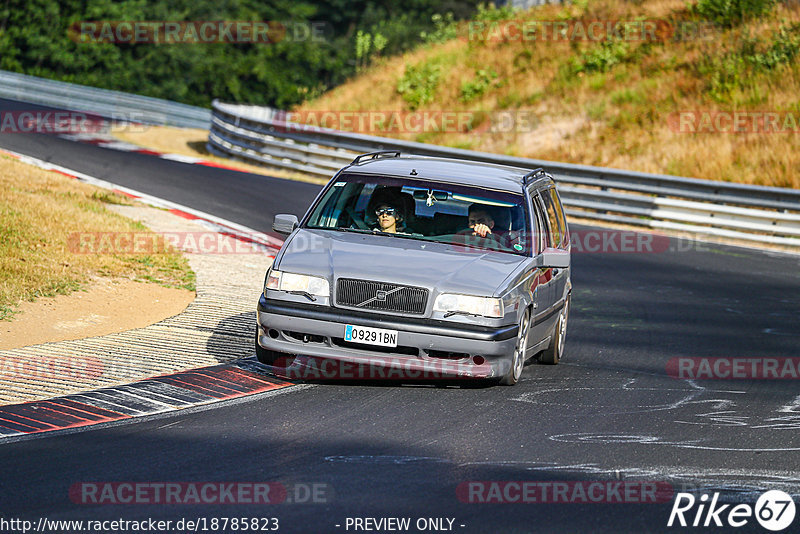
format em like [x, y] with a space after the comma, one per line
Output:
[553, 354]
[266, 356]
[518, 358]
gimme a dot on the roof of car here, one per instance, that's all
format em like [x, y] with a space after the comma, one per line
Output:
[461, 171]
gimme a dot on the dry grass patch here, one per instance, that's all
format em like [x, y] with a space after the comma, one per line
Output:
[39, 211]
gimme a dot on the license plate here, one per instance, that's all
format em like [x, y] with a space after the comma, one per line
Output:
[370, 336]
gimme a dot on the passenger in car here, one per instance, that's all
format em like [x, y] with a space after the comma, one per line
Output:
[390, 218]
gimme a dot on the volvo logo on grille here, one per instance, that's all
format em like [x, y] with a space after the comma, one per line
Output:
[380, 295]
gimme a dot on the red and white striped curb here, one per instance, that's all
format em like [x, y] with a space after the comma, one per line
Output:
[157, 395]
[115, 144]
[212, 222]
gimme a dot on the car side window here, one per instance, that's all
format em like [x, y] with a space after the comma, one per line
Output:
[541, 223]
[556, 232]
[562, 220]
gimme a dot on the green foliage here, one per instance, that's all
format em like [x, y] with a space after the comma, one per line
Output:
[418, 84]
[728, 13]
[627, 96]
[522, 60]
[596, 110]
[472, 89]
[379, 43]
[110, 197]
[363, 42]
[724, 75]
[782, 51]
[510, 100]
[368, 46]
[445, 29]
[737, 69]
[7, 313]
[603, 57]
[491, 13]
[597, 82]
[35, 39]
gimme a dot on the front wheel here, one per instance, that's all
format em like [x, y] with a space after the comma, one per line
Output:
[518, 358]
[553, 354]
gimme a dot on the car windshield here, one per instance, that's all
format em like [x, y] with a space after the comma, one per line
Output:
[470, 217]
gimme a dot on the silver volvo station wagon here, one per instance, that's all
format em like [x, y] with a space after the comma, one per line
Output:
[430, 267]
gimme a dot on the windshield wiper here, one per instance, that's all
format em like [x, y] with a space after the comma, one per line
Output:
[306, 294]
[340, 229]
[401, 235]
[459, 312]
[346, 229]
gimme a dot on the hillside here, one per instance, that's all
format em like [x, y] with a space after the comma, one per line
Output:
[271, 53]
[663, 101]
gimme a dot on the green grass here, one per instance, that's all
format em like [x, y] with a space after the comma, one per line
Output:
[40, 213]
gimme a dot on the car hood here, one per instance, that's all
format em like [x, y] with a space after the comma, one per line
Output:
[448, 268]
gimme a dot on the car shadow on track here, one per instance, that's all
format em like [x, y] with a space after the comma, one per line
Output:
[232, 338]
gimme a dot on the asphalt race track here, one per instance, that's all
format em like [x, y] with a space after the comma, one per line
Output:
[610, 412]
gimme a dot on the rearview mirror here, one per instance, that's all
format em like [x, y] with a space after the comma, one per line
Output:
[285, 223]
[421, 194]
[553, 258]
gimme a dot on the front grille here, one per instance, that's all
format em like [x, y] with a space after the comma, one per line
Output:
[366, 294]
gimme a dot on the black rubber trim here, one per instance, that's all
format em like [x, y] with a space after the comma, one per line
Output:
[416, 325]
[545, 315]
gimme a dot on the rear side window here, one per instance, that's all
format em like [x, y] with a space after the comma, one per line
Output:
[562, 220]
[542, 239]
[556, 233]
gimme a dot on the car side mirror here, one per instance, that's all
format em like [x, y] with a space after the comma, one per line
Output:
[285, 223]
[555, 258]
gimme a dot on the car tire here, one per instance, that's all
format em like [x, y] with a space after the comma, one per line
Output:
[518, 357]
[266, 356]
[553, 354]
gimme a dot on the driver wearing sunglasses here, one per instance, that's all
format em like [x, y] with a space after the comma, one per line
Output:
[389, 217]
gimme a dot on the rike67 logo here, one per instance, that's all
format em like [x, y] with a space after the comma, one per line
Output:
[774, 510]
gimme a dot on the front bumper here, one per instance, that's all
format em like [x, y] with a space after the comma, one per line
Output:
[426, 348]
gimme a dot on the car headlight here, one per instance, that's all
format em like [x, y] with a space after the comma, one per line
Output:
[485, 306]
[301, 283]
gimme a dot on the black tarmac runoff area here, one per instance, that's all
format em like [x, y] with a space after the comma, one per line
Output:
[652, 416]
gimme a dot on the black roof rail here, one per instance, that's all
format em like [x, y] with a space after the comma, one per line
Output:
[533, 174]
[376, 155]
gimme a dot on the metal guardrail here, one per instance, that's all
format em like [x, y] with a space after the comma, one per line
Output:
[103, 102]
[702, 207]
